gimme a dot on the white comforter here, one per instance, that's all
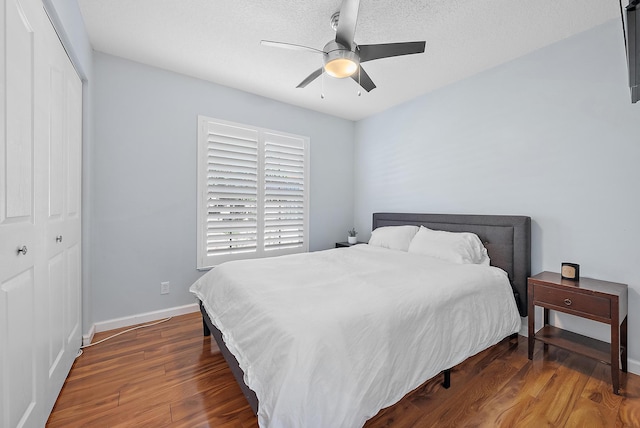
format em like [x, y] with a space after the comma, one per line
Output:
[327, 339]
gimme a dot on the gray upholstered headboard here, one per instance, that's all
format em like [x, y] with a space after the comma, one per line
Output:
[507, 239]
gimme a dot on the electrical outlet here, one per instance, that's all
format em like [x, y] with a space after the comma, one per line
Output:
[164, 287]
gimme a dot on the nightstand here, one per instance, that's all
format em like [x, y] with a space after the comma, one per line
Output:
[346, 244]
[596, 300]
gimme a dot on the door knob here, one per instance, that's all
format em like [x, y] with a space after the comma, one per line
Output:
[22, 250]
[59, 238]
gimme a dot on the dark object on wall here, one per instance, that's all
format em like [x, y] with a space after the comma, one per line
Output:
[570, 271]
[630, 17]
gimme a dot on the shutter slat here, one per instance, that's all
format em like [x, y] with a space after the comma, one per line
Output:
[282, 210]
[230, 140]
[235, 169]
[274, 205]
[282, 164]
[230, 162]
[278, 157]
[272, 193]
[232, 193]
[235, 146]
[227, 239]
[286, 181]
[228, 154]
[292, 234]
[282, 241]
[232, 250]
[282, 170]
[281, 215]
[280, 148]
[231, 182]
[283, 247]
[240, 175]
[271, 224]
[215, 231]
[230, 243]
[226, 217]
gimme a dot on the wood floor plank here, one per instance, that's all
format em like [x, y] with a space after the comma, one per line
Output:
[559, 396]
[629, 410]
[65, 415]
[463, 406]
[170, 375]
[587, 414]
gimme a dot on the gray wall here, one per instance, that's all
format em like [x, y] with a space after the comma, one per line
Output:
[552, 135]
[143, 185]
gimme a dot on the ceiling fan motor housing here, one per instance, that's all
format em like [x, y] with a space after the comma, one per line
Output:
[340, 61]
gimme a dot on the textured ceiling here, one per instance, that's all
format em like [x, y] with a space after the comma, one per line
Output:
[218, 41]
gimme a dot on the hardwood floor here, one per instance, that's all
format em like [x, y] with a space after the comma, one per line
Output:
[169, 375]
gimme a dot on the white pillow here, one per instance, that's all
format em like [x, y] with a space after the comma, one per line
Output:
[455, 247]
[393, 237]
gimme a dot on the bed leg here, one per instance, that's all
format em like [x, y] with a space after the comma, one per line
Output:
[446, 383]
[205, 328]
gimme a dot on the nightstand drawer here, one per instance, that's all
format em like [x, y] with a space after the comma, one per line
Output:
[571, 301]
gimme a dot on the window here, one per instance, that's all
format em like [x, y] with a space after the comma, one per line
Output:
[253, 192]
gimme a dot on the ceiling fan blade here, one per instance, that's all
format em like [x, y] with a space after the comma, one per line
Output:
[386, 50]
[347, 23]
[289, 46]
[365, 80]
[310, 78]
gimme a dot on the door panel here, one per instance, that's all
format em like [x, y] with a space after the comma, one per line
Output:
[56, 143]
[19, 348]
[19, 360]
[57, 275]
[74, 141]
[19, 120]
[73, 314]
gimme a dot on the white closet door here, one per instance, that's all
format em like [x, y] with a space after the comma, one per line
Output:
[40, 161]
[19, 283]
[61, 214]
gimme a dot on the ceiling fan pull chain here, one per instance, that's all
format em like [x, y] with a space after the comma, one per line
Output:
[359, 86]
[322, 83]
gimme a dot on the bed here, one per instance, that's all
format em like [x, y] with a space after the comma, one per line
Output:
[310, 351]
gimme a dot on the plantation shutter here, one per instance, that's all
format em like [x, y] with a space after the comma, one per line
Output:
[284, 194]
[252, 192]
[231, 190]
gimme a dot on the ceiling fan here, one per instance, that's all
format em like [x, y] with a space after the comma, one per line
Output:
[342, 57]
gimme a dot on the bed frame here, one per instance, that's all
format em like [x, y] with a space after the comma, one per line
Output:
[508, 242]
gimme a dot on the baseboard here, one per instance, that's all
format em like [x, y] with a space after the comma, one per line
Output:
[524, 327]
[138, 319]
[87, 338]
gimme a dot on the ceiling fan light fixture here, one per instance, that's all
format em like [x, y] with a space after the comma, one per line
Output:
[341, 68]
[341, 63]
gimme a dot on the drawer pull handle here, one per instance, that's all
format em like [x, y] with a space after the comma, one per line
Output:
[567, 302]
[22, 250]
